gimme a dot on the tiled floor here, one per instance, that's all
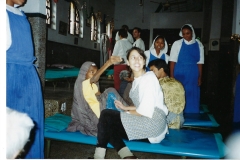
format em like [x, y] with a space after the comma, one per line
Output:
[67, 150]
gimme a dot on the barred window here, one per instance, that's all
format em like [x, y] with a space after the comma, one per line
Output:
[74, 20]
[109, 28]
[48, 12]
[51, 13]
[93, 27]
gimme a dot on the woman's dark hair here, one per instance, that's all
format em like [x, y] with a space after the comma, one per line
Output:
[141, 52]
[187, 27]
[123, 33]
[159, 63]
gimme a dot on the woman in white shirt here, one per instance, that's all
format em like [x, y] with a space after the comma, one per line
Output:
[158, 50]
[145, 120]
[186, 58]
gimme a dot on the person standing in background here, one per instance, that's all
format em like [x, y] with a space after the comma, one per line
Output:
[158, 50]
[137, 35]
[23, 88]
[120, 49]
[187, 58]
[129, 36]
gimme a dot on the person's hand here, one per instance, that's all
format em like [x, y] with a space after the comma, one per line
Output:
[115, 59]
[98, 93]
[128, 79]
[119, 105]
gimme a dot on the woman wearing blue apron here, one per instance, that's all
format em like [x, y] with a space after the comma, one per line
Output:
[187, 57]
[24, 92]
[158, 50]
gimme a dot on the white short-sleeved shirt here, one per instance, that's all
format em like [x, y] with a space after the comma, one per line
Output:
[129, 37]
[140, 44]
[151, 96]
[153, 52]
[177, 46]
[121, 47]
[149, 102]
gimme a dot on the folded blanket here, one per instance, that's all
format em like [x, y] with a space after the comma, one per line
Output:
[57, 122]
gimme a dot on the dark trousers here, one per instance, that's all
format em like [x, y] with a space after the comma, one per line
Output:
[111, 130]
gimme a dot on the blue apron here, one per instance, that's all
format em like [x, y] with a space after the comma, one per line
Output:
[186, 71]
[24, 92]
[152, 57]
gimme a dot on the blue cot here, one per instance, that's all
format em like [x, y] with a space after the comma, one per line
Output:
[187, 143]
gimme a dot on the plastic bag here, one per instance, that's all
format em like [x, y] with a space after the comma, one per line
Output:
[110, 102]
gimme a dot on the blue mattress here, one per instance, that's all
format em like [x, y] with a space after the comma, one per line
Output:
[204, 108]
[52, 74]
[199, 120]
[187, 143]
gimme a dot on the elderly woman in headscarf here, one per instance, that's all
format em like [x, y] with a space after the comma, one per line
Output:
[158, 50]
[187, 57]
[88, 102]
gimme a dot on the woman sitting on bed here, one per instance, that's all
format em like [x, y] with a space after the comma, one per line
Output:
[88, 102]
[145, 120]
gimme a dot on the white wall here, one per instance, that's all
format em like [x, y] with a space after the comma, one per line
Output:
[35, 6]
[174, 20]
[236, 17]
[129, 12]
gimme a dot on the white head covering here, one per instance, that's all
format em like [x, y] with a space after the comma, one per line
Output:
[16, 5]
[193, 33]
[164, 50]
